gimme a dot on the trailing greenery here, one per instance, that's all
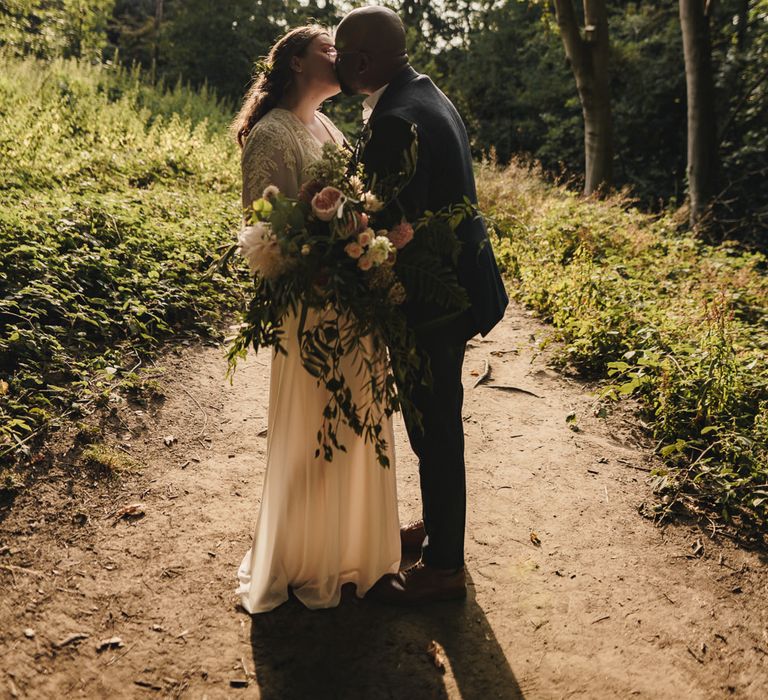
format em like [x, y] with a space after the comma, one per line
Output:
[114, 197]
[678, 324]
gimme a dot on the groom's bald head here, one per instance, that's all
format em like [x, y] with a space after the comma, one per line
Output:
[370, 42]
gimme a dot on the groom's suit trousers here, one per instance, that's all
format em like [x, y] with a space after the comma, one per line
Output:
[443, 176]
[439, 446]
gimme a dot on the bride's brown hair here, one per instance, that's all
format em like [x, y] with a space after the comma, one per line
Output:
[273, 78]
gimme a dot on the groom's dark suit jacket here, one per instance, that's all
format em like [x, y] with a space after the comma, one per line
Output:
[443, 176]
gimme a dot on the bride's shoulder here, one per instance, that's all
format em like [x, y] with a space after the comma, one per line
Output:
[274, 126]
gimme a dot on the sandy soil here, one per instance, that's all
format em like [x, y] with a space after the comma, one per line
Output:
[607, 605]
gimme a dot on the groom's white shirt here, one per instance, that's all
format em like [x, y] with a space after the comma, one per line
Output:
[370, 102]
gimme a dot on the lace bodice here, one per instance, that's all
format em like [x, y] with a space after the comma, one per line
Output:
[278, 151]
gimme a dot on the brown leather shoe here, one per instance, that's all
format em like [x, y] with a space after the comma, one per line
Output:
[420, 584]
[412, 536]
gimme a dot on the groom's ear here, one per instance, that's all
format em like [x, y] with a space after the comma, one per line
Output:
[364, 64]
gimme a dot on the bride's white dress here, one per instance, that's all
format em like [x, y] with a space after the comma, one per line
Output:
[320, 524]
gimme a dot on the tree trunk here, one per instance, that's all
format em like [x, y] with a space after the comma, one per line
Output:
[589, 59]
[702, 125]
[156, 37]
[743, 16]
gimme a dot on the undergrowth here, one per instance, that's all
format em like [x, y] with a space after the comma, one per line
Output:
[657, 315]
[114, 197]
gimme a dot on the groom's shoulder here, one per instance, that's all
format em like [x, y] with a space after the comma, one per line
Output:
[421, 87]
[417, 100]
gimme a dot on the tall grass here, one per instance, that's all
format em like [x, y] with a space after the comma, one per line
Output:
[659, 316]
[114, 197]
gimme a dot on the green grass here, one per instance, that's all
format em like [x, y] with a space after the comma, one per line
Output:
[657, 315]
[104, 461]
[114, 197]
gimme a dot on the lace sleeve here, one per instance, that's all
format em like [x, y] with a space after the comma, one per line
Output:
[270, 157]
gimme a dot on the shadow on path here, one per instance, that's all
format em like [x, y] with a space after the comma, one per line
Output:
[365, 650]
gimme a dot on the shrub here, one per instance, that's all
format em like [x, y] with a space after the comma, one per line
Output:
[114, 197]
[658, 315]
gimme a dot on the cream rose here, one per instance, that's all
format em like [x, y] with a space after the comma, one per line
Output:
[270, 192]
[261, 251]
[371, 202]
[380, 249]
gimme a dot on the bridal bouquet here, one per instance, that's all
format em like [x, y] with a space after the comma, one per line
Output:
[321, 257]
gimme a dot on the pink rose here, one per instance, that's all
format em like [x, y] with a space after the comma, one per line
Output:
[364, 238]
[401, 235]
[327, 202]
[354, 250]
[365, 263]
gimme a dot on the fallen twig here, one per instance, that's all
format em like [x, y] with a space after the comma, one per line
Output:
[245, 668]
[513, 389]
[120, 656]
[76, 637]
[148, 684]
[629, 464]
[205, 414]
[484, 375]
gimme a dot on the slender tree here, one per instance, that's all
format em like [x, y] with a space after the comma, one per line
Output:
[156, 25]
[702, 124]
[588, 55]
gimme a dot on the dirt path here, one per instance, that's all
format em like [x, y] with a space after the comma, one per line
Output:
[607, 606]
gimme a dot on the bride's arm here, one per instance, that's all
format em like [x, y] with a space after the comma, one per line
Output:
[269, 158]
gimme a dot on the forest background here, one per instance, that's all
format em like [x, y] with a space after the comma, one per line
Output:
[501, 62]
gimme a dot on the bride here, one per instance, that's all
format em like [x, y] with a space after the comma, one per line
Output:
[320, 524]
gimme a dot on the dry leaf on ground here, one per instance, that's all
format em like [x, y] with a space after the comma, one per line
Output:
[111, 643]
[134, 510]
[436, 652]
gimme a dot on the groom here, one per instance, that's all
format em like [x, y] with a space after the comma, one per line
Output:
[372, 60]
